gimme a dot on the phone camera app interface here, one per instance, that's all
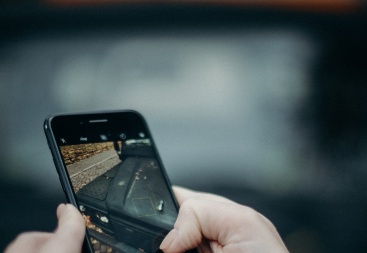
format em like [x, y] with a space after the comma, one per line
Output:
[121, 192]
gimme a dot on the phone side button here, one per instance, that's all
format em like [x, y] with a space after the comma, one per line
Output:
[62, 185]
[53, 159]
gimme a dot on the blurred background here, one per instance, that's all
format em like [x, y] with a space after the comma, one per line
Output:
[264, 102]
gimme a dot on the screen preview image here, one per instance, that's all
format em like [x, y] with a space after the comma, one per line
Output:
[121, 193]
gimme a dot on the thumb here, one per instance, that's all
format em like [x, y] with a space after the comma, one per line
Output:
[201, 218]
[214, 224]
[70, 231]
[198, 221]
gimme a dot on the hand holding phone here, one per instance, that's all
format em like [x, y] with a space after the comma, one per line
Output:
[110, 170]
[67, 238]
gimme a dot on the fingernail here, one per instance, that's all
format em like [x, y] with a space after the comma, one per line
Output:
[168, 240]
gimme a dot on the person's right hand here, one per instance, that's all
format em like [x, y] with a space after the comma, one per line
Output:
[215, 224]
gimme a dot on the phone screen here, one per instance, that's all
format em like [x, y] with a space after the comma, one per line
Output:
[111, 171]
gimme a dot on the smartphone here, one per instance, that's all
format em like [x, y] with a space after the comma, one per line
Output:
[110, 170]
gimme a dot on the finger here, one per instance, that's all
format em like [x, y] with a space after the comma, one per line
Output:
[68, 236]
[70, 231]
[183, 194]
[28, 242]
[71, 223]
[199, 219]
[225, 225]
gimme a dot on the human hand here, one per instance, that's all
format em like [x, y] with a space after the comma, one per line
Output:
[67, 238]
[215, 224]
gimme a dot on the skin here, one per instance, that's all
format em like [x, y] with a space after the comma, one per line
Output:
[215, 224]
[208, 222]
[68, 236]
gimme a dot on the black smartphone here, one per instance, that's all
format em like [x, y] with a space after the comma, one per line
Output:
[110, 170]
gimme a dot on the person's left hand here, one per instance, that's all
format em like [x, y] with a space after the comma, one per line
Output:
[67, 238]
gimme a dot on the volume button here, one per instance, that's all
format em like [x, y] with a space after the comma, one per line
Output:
[62, 185]
[53, 159]
[48, 143]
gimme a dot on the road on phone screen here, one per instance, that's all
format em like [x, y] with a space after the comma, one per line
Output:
[85, 171]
